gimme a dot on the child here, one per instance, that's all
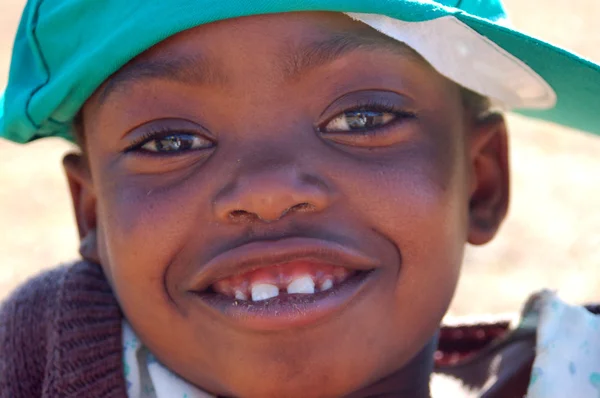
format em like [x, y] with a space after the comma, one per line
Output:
[273, 198]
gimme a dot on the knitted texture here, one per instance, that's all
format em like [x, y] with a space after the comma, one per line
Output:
[60, 336]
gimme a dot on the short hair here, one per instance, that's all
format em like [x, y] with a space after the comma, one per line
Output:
[478, 106]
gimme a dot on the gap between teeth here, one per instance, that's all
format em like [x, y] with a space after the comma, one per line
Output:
[265, 291]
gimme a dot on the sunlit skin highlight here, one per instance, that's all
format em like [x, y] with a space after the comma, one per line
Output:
[268, 160]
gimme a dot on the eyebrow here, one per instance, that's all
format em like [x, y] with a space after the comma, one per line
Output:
[297, 60]
[319, 53]
[193, 70]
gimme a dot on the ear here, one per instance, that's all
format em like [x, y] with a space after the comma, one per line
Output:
[84, 202]
[489, 195]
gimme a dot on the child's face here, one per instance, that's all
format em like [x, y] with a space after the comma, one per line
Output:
[317, 146]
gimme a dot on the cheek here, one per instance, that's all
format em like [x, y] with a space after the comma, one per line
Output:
[418, 200]
[144, 229]
[416, 196]
[419, 203]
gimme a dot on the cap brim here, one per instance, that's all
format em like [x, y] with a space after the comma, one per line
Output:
[575, 80]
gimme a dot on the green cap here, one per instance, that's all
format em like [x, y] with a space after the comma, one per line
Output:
[65, 49]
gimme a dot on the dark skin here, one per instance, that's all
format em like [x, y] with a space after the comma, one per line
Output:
[269, 132]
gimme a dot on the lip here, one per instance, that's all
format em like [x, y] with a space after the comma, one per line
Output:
[289, 310]
[261, 254]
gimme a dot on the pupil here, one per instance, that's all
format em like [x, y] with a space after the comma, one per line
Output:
[361, 120]
[172, 144]
[169, 144]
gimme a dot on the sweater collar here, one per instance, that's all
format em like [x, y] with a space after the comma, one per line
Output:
[85, 347]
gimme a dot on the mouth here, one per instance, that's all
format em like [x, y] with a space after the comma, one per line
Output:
[273, 285]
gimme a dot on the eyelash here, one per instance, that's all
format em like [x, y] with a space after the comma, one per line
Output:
[156, 133]
[372, 105]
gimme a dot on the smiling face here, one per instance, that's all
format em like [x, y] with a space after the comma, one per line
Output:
[268, 149]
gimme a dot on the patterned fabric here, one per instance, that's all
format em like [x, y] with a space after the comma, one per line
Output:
[567, 362]
[146, 377]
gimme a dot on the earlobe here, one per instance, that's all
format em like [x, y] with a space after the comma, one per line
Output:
[489, 196]
[84, 204]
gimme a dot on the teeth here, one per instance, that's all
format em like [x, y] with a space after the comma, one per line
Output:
[326, 285]
[264, 291]
[303, 285]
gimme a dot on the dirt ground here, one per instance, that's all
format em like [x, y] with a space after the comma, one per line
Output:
[551, 238]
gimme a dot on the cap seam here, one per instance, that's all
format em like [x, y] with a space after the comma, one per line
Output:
[42, 59]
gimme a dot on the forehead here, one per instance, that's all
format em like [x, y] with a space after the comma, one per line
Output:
[291, 43]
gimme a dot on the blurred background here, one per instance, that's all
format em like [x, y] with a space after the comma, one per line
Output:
[550, 240]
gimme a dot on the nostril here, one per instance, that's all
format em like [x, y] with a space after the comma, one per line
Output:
[241, 215]
[302, 207]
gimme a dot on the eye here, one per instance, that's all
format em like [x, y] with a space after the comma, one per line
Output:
[372, 124]
[369, 119]
[359, 120]
[172, 143]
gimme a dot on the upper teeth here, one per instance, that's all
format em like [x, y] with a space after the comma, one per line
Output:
[326, 285]
[264, 291]
[304, 285]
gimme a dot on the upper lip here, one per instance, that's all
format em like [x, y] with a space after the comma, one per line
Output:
[260, 254]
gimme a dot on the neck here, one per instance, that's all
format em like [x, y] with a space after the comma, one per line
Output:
[412, 380]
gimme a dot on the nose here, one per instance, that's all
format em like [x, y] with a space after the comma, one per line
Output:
[270, 195]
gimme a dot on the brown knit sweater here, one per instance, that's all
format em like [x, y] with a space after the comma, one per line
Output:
[60, 336]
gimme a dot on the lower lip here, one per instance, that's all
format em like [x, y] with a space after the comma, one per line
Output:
[289, 310]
